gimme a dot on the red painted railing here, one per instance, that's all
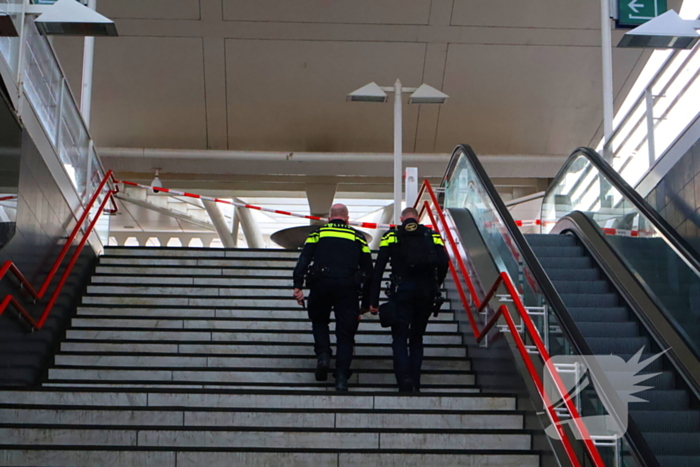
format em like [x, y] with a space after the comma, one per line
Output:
[503, 311]
[9, 266]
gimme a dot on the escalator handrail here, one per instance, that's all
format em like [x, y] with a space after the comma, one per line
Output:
[638, 444]
[675, 241]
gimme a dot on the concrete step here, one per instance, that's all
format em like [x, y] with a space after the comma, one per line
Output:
[288, 262]
[241, 280]
[266, 419]
[184, 301]
[207, 290]
[273, 281]
[170, 271]
[272, 337]
[178, 361]
[295, 313]
[226, 458]
[199, 252]
[328, 388]
[263, 400]
[456, 351]
[367, 324]
[335, 439]
[273, 376]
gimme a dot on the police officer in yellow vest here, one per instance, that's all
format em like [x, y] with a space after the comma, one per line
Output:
[337, 263]
[419, 265]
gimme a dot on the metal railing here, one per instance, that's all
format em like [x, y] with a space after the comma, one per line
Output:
[42, 84]
[503, 311]
[657, 116]
[37, 295]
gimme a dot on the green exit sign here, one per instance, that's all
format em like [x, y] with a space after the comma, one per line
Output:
[636, 12]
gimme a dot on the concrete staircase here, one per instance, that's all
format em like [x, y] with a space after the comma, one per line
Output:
[191, 357]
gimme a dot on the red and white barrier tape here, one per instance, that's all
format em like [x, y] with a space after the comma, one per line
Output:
[8, 198]
[366, 225]
[607, 231]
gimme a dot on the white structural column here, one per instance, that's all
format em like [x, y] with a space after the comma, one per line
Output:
[320, 197]
[251, 231]
[411, 185]
[88, 62]
[606, 46]
[219, 222]
[235, 227]
[398, 149]
[651, 142]
[385, 218]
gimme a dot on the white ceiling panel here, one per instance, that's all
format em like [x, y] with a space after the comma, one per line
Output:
[565, 14]
[150, 9]
[329, 11]
[523, 99]
[290, 95]
[149, 90]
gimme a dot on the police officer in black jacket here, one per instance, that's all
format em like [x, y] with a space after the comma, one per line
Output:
[339, 267]
[419, 265]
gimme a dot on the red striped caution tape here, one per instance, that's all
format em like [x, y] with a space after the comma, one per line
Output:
[8, 198]
[366, 225]
[607, 231]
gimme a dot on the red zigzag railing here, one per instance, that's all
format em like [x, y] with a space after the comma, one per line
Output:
[503, 311]
[10, 267]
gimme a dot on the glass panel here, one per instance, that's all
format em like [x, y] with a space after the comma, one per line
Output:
[10, 154]
[465, 190]
[43, 80]
[673, 284]
[9, 46]
[97, 175]
[73, 144]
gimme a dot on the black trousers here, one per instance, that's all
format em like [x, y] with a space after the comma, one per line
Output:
[341, 296]
[413, 308]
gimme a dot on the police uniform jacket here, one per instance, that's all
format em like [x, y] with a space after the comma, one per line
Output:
[335, 250]
[388, 249]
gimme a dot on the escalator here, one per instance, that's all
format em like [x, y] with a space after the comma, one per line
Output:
[607, 276]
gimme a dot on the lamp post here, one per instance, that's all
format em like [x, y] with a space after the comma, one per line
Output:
[606, 46]
[423, 94]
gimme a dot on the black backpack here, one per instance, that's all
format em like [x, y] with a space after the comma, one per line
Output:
[416, 251]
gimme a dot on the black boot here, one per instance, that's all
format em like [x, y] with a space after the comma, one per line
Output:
[324, 362]
[406, 385]
[341, 381]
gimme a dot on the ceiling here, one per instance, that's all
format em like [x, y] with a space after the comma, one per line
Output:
[249, 92]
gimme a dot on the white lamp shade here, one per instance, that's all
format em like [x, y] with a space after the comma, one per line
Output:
[71, 18]
[369, 93]
[427, 95]
[663, 32]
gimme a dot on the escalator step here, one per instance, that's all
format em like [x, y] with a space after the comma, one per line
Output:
[565, 263]
[673, 400]
[605, 346]
[678, 461]
[550, 240]
[669, 422]
[674, 444]
[583, 300]
[589, 274]
[581, 286]
[653, 367]
[558, 251]
[616, 314]
[606, 329]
